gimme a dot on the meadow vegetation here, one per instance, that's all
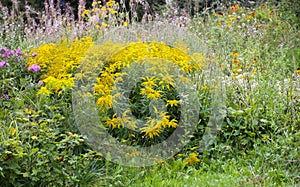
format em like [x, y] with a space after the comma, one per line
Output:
[256, 46]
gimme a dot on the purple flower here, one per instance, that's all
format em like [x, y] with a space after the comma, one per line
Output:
[2, 50]
[8, 53]
[5, 96]
[3, 64]
[40, 82]
[34, 54]
[34, 68]
[18, 52]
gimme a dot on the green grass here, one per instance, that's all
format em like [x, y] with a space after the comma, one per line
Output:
[233, 172]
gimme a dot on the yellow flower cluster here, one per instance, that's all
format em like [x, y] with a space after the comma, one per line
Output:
[192, 159]
[155, 127]
[139, 51]
[58, 62]
[135, 52]
[109, 8]
[151, 87]
[103, 15]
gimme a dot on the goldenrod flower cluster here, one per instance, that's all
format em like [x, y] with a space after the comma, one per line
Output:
[58, 62]
[192, 159]
[151, 88]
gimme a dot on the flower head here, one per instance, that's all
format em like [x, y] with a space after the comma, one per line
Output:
[40, 82]
[34, 54]
[172, 103]
[18, 52]
[34, 68]
[234, 53]
[44, 91]
[3, 64]
[2, 50]
[8, 53]
[192, 159]
[5, 96]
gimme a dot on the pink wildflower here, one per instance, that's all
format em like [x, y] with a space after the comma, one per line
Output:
[3, 64]
[8, 53]
[34, 54]
[40, 82]
[18, 52]
[34, 68]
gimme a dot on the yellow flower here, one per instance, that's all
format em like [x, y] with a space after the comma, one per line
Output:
[254, 60]
[265, 137]
[235, 61]
[164, 120]
[44, 91]
[104, 24]
[146, 91]
[34, 137]
[113, 123]
[59, 60]
[151, 130]
[94, 3]
[249, 17]
[105, 100]
[173, 123]
[110, 3]
[188, 68]
[231, 18]
[234, 8]
[234, 53]
[154, 95]
[125, 24]
[229, 23]
[150, 82]
[192, 159]
[135, 52]
[172, 103]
